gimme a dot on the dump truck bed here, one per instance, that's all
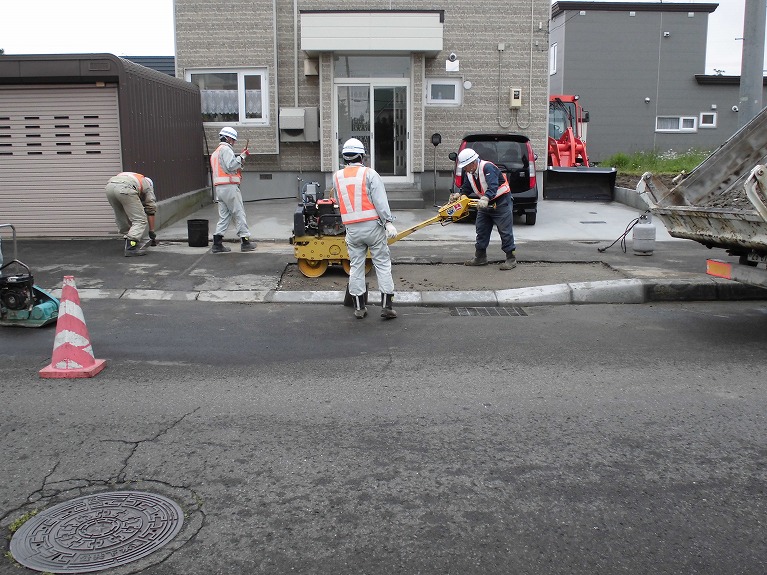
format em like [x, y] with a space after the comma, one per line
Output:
[710, 205]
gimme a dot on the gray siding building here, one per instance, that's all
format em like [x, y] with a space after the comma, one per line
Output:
[638, 69]
[70, 122]
[298, 78]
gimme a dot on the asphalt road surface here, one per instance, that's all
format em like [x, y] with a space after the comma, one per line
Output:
[575, 439]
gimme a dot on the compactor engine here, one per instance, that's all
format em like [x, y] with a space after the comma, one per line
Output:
[317, 215]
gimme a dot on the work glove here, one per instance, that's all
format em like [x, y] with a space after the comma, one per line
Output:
[245, 154]
[454, 197]
[391, 231]
[153, 238]
[482, 202]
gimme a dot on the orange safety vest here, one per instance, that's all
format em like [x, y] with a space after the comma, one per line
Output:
[220, 177]
[138, 177]
[503, 187]
[353, 199]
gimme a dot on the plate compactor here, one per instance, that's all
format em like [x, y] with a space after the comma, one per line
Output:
[22, 303]
[319, 234]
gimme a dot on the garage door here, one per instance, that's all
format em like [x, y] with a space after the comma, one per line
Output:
[58, 147]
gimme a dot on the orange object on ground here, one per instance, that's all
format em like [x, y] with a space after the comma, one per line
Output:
[72, 352]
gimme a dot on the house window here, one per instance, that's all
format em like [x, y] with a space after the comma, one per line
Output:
[676, 124]
[707, 120]
[443, 92]
[232, 96]
[553, 59]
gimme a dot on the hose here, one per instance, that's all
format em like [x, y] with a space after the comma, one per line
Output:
[622, 238]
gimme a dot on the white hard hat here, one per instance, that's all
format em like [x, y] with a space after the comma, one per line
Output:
[466, 157]
[353, 147]
[228, 132]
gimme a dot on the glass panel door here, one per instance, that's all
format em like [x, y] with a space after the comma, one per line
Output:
[390, 130]
[375, 112]
[353, 116]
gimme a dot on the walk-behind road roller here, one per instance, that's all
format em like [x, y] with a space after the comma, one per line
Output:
[319, 234]
[22, 303]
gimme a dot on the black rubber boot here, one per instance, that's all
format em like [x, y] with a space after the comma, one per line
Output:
[360, 310]
[247, 245]
[218, 245]
[132, 248]
[386, 311]
[510, 263]
[480, 259]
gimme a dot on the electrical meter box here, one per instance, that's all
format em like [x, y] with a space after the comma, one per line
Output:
[515, 98]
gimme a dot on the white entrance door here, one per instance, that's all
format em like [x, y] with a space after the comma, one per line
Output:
[375, 112]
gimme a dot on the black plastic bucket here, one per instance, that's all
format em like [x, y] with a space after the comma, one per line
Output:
[198, 233]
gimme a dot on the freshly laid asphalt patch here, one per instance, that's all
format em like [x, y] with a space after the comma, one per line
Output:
[457, 277]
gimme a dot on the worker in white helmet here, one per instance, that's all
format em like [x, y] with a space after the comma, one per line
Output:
[486, 181]
[368, 220]
[227, 174]
[132, 198]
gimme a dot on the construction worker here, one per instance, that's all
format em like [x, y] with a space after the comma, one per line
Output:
[489, 183]
[366, 215]
[132, 198]
[227, 174]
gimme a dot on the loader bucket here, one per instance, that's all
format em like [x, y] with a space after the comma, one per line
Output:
[579, 183]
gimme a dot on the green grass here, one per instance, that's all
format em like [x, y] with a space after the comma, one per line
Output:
[666, 163]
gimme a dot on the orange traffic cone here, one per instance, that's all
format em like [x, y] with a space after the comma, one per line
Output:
[72, 352]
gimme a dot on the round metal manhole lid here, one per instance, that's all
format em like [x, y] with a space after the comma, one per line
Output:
[96, 532]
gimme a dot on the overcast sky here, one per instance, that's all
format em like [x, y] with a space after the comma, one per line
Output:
[145, 28]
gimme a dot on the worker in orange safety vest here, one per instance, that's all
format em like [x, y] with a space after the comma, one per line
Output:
[486, 181]
[227, 174]
[366, 215]
[132, 198]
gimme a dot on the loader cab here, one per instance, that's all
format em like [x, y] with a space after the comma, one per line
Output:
[566, 112]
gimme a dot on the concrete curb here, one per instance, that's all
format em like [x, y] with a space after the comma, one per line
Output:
[627, 291]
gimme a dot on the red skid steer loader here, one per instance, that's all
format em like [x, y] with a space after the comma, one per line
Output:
[570, 175]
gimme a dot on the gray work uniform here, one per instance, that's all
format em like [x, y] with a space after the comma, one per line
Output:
[370, 235]
[230, 205]
[131, 202]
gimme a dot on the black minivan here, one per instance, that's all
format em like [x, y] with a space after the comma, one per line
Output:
[513, 154]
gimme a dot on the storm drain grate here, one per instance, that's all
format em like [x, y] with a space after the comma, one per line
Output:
[96, 532]
[488, 311]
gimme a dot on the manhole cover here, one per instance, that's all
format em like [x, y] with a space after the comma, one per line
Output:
[96, 532]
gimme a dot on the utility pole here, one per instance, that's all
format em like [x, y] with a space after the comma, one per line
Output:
[752, 65]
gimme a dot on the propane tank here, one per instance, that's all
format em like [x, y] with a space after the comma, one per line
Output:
[644, 236]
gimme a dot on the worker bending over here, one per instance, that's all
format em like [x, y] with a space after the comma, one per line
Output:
[366, 215]
[132, 198]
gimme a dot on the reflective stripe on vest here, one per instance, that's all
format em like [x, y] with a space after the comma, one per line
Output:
[503, 187]
[353, 199]
[133, 175]
[220, 177]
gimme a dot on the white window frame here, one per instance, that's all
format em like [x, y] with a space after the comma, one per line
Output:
[456, 83]
[706, 125]
[241, 73]
[680, 124]
[553, 59]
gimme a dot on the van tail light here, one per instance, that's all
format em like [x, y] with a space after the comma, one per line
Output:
[458, 172]
[532, 166]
